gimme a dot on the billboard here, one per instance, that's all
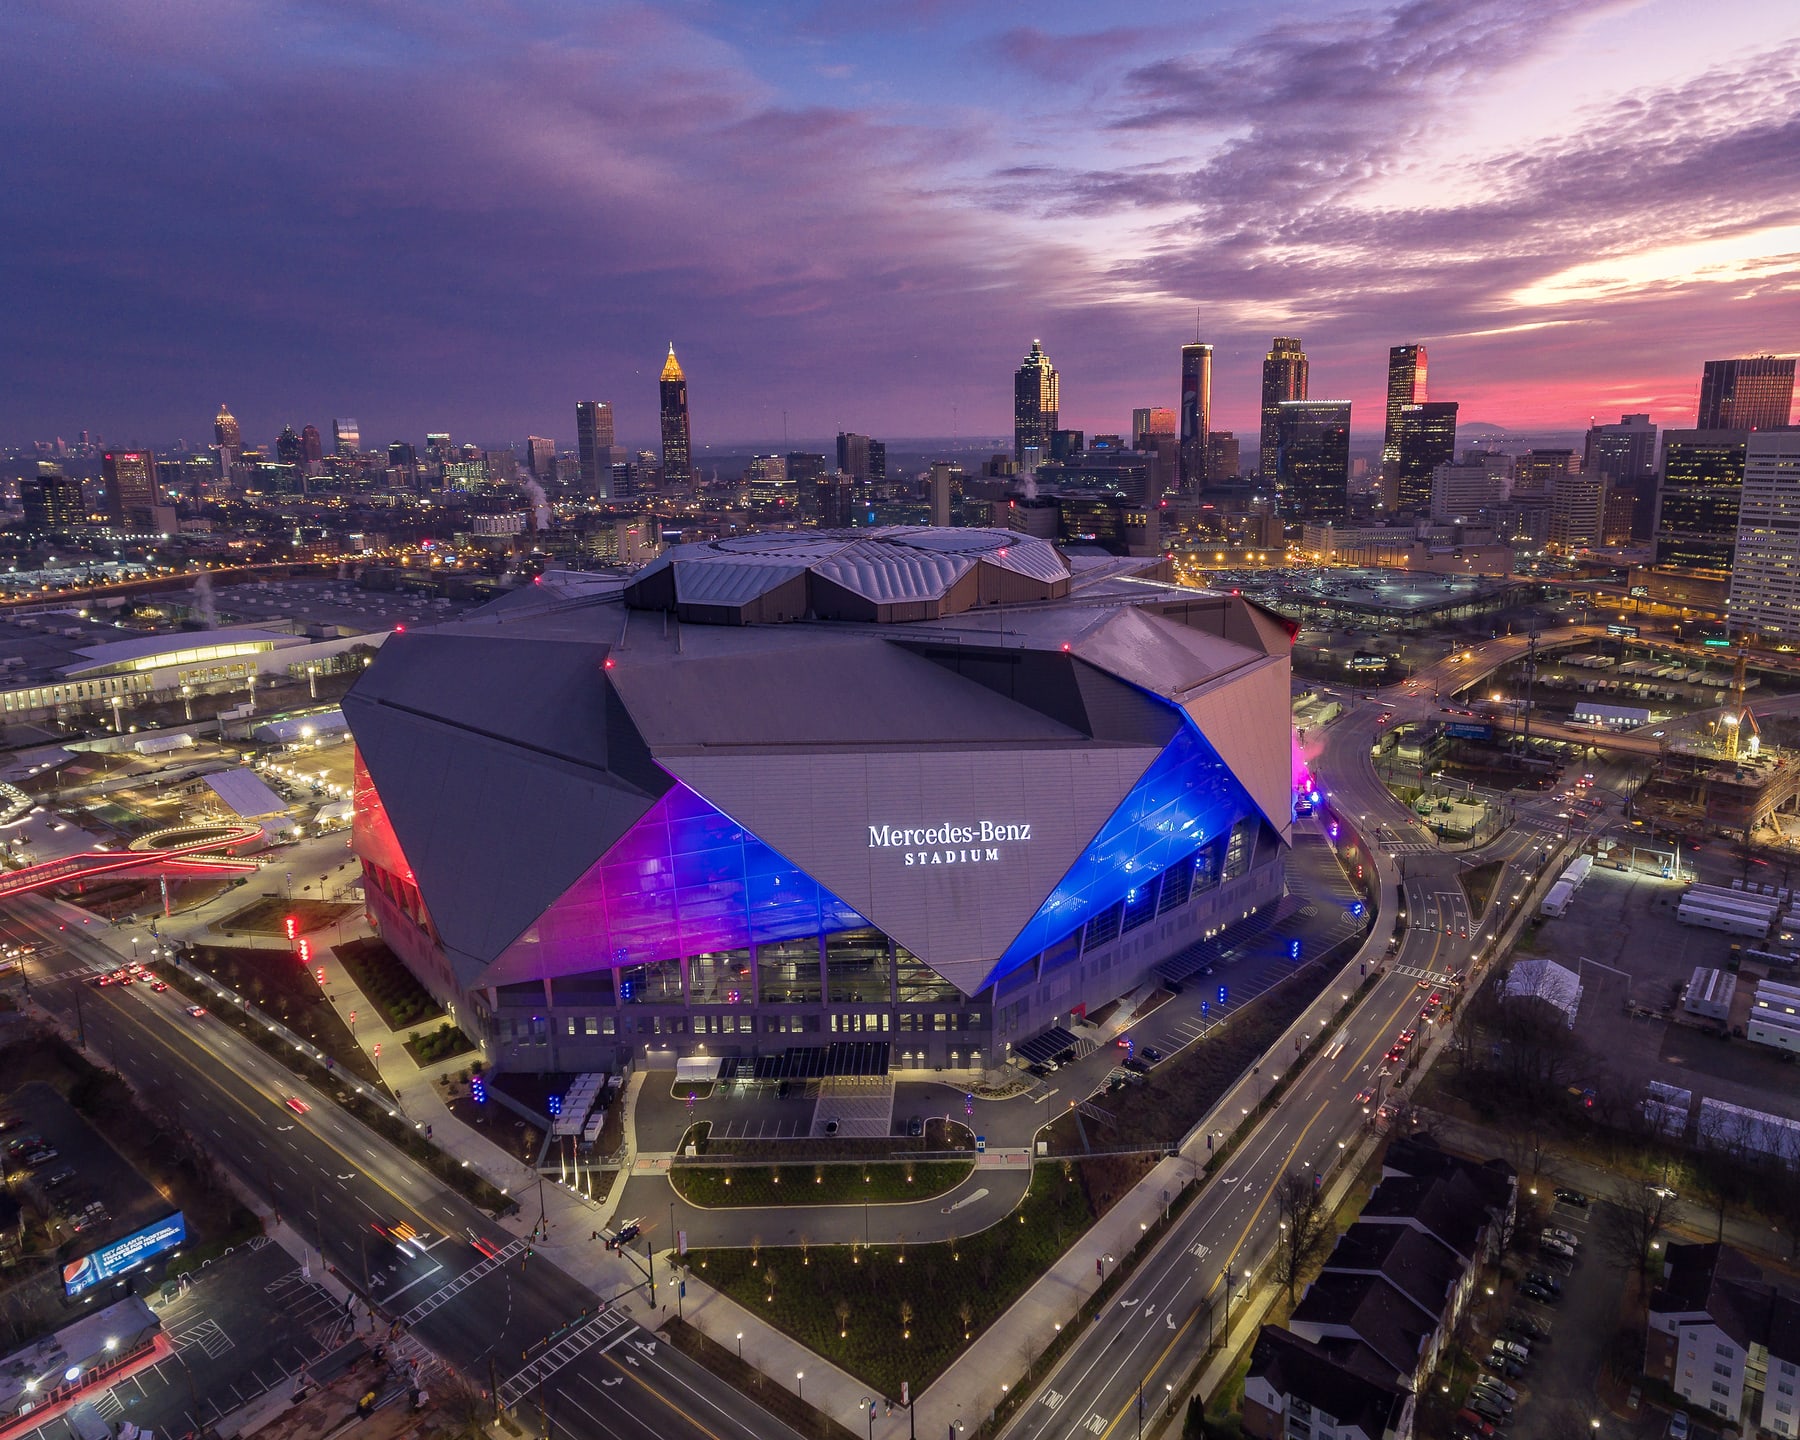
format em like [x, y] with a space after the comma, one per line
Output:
[125, 1254]
[1469, 730]
[1628, 632]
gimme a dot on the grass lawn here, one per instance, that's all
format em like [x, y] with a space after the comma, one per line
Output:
[431, 1047]
[719, 1185]
[389, 986]
[284, 989]
[518, 1137]
[891, 1314]
[1478, 884]
[267, 915]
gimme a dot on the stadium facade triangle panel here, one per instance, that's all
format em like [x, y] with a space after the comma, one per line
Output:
[687, 879]
[1187, 799]
[949, 851]
[1235, 721]
[494, 833]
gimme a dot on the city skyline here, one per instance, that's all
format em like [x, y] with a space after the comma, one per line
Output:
[527, 209]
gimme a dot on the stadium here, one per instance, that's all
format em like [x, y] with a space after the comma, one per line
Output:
[819, 803]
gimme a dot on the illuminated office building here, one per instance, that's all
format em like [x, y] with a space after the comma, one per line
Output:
[1284, 377]
[677, 440]
[1035, 405]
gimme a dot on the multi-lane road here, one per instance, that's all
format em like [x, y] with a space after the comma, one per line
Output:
[494, 1313]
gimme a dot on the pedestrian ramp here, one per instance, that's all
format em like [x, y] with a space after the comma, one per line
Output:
[569, 1348]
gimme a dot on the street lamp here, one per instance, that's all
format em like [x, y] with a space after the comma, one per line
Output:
[800, 1384]
[740, 1344]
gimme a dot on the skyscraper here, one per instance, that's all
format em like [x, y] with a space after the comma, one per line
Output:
[1625, 454]
[1697, 499]
[1222, 459]
[1536, 471]
[312, 449]
[1406, 386]
[1577, 511]
[853, 455]
[130, 477]
[52, 503]
[1765, 581]
[677, 439]
[225, 430]
[1312, 450]
[288, 449]
[1283, 378]
[540, 457]
[594, 446]
[1425, 439]
[1196, 414]
[1755, 393]
[1035, 405]
[346, 437]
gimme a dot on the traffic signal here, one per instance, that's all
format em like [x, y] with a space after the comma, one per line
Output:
[292, 925]
[306, 952]
[377, 1049]
[319, 975]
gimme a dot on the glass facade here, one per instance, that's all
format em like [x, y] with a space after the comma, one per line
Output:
[1185, 800]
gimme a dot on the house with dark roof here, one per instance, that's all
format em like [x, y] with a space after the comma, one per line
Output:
[1725, 1338]
[1296, 1390]
[1344, 1310]
[1418, 1265]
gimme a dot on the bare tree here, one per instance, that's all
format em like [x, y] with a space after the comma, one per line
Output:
[1304, 1223]
[1633, 1218]
[843, 1318]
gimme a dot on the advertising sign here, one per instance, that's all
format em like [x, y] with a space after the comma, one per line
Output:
[1628, 632]
[123, 1255]
[1467, 730]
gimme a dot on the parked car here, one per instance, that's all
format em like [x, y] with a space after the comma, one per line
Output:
[915, 1127]
[1678, 1425]
[1550, 1245]
[1152, 1054]
[1499, 1387]
[1527, 1326]
[1137, 1066]
[1573, 1197]
[1480, 1391]
[1538, 1293]
[1544, 1278]
[1515, 1349]
[1475, 1423]
[1568, 1237]
[1487, 1407]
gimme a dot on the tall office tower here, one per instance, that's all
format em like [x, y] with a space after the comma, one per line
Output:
[438, 449]
[130, 477]
[346, 437]
[1765, 581]
[1155, 432]
[1035, 405]
[677, 439]
[945, 479]
[1405, 386]
[1283, 378]
[594, 445]
[1626, 455]
[1196, 415]
[1312, 452]
[877, 461]
[1535, 472]
[767, 478]
[853, 455]
[540, 457]
[1425, 439]
[1697, 499]
[288, 446]
[312, 449]
[52, 502]
[402, 456]
[1065, 445]
[1461, 492]
[1577, 511]
[225, 430]
[1222, 458]
[1755, 393]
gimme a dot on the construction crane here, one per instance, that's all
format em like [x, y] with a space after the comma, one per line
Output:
[1738, 718]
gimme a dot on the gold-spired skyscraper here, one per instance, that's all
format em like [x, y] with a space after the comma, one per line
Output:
[677, 441]
[1283, 379]
[225, 430]
[1035, 406]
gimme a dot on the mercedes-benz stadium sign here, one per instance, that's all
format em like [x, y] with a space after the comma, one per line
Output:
[949, 844]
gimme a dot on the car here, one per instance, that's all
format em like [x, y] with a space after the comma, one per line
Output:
[1424, 983]
[1550, 1245]
[1568, 1237]
[9, 1122]
[1474, 1422]
[58, 1178]
[1506, 1365]
[159, 986]
[1527, 1327]
[1137, 1066]
[42, 1155]
[1366, 1096]
[197, 1011]
[1516, 1349]
[1545, 1279]
[1678, 1425]
[296, 1104]
[1492, 1397]
[1489, 1407]
[1573, 1197]
[1152, 1054]
[1395, 1055]
[1407, 1036]
[30, 1140]
[1499, 1387]
[1538, 1293]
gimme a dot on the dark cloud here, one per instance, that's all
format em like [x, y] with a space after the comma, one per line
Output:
[1062, 58]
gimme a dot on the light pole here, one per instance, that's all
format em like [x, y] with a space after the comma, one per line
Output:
[800, 1384]
[868, 1403]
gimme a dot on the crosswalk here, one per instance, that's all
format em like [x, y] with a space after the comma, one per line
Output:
[448, 1292]
[571, 1347]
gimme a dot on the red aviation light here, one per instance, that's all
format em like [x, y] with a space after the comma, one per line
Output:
[607, 663]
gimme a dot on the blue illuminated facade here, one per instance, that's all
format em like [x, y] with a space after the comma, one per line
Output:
[1187, 799]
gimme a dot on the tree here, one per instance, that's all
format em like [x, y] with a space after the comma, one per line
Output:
[906, 1319]
[965, 1312]
[843, 1318]
[1632, 1219]
[1304, 1223]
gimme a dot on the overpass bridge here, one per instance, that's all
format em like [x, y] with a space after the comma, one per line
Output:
[185, 851]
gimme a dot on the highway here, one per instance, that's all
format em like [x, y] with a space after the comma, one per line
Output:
[333, 1181]
[1164, 1318]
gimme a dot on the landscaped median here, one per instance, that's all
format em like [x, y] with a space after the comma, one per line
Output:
[722, 1186]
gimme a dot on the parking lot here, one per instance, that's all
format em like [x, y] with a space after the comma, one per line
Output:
[1621, 935]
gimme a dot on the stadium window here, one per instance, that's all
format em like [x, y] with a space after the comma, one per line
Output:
[1177, 885]
[1140, 906]
[1103, 929]
[856, 967]
[940, 1021]
[787, 972]
[719, 977]
[918, 983]
[593, 1025]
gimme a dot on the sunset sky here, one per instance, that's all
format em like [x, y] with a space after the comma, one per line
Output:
[470, 214]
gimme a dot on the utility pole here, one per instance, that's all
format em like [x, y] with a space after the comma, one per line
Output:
[650, 1254]
[1530, 679]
